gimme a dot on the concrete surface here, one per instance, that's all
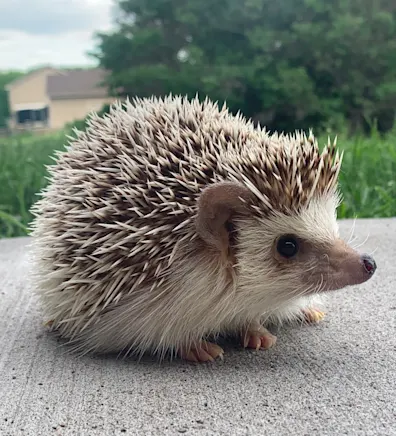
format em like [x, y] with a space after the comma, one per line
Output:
[338, 378]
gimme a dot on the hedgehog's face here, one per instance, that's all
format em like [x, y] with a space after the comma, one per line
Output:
[302, 254]
[290, 255]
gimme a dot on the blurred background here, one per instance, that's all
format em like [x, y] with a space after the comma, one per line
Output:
[329, 65]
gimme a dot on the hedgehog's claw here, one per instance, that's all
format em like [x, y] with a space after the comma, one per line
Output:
[313, 315]
[204, 352]
[258, 337]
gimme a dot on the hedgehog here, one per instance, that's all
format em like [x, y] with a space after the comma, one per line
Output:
[170, 222]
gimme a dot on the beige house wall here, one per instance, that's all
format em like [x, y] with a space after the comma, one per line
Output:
[62, 112]
[30, 91]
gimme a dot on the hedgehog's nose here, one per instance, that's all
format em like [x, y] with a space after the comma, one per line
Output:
[369, 264]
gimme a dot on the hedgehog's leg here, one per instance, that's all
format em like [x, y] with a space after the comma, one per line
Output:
[311, 310]
[304, 310]
[256, 336]
[312, 315]
[202, 352]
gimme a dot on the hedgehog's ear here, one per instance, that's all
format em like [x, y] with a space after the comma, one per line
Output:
[217, 205]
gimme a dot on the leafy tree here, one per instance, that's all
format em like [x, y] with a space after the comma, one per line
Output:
[300, 64]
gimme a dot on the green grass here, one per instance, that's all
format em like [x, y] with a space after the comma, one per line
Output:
[22, 176]
[368, 177]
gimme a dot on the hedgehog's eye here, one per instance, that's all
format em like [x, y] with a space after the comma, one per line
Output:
[287, 246]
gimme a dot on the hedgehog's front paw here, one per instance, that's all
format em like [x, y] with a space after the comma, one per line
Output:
[258, 337]
[312, 315]
[203, 352]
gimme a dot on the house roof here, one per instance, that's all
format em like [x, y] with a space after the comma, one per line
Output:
[22, 79]
[77, 84]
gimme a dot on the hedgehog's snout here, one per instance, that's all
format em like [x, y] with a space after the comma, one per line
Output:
[348, 267]
[369, 264]
[361, 269]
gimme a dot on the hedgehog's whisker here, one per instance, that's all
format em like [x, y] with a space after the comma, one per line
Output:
[351, 237]
[373, 251]
[360, 245]
[322, 285]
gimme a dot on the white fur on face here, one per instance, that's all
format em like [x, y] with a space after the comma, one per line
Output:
[269, 285]
[317, 222]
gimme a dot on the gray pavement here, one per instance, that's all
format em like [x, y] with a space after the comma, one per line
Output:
[337, 378]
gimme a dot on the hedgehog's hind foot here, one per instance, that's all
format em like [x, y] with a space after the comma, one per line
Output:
[257, 336]
[202, 352]
[312, 315]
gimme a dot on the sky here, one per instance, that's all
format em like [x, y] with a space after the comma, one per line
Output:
[50, 32]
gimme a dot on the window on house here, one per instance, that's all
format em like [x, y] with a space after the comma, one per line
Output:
[32, 115]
